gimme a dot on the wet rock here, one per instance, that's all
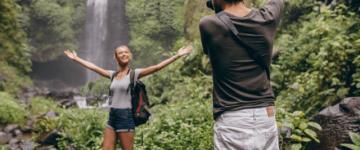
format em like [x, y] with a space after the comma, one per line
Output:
[27, 145]
[29, 92]
[50, 147]
[13, 143]
[18, 133]
[11, 127]
[337, 121]
[51, 114]
[28, 128]
[63, 94]
[4, 138]
[67, 103]
[51, 139]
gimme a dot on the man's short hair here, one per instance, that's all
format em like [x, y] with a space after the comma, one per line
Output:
[233, 1]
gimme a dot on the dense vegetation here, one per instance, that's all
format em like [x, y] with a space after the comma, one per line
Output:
[15, 54]
[52, 26]
[318, 65]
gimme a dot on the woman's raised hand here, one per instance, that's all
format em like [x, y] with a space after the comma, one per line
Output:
[71, 54]
[185, 50]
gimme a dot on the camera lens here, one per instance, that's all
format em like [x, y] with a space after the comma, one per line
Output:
[209, 4]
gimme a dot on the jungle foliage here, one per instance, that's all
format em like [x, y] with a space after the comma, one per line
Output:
[52, 26]
[318, 65]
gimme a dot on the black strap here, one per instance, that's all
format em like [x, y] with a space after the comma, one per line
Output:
[132, 81]
[252, 53]
[111, 79]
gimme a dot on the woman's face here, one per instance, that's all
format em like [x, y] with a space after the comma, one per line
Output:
[123, 55]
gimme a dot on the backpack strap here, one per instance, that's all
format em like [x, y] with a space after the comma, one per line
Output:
[113, 75]
[252, 53]
[132, 81]
[111, 79]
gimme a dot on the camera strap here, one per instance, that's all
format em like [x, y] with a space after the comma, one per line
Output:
[252, 53]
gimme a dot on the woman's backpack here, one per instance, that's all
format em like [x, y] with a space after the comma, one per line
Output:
[139, 100]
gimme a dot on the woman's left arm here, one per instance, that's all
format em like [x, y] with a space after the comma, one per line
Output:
[152, 69]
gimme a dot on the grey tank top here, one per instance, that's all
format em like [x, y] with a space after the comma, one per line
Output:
[121, 98]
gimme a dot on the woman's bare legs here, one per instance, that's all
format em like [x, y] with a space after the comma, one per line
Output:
[126, 140]
[109, 139]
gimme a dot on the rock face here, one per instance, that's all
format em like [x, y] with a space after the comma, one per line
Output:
[337, 121]
[4, 138]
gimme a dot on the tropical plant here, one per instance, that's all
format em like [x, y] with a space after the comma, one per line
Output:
[318, 60]
[10, 110]
[355, 138]
[296, 129]
[81, 128]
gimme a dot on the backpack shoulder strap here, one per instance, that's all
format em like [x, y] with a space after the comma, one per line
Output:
[113, 75]
[132, 76]
[257, 57]
[132, 81]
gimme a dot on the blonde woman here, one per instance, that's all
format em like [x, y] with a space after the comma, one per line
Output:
[120, 122]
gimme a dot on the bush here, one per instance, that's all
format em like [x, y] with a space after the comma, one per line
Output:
[82, 128]
[10, 110]
[318, 60]
[300, 131]
[41, 105]
[185, 124]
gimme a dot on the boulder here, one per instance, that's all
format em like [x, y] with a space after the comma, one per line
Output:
[18, 133]
[10, 128]
[14, 144]
[46, 148]
[337, 121]
[63, 94]
[27, 145]
[4, 138]
[50, 139]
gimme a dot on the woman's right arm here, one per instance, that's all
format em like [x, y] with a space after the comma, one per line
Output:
[73, 56]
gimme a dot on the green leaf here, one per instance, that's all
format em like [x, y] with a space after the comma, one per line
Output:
[312, 134]
[351, 146]
[355, 138]
[296, 138]
[315, 125]
[303, 126]
[298, 113]
[295, 146]
[306, 139]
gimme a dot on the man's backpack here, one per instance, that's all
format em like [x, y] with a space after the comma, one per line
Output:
[139, 100]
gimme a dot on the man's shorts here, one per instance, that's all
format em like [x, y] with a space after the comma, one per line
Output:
[247, 129]
[121, 120]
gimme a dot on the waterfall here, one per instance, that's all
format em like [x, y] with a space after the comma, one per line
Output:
[96, 32]
[105, 28]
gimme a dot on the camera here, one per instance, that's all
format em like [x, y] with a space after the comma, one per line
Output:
[209, 4]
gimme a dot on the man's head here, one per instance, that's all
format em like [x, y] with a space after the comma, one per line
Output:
[218, 5]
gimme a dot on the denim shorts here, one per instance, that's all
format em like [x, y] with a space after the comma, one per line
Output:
[247, 129]
[121, 120]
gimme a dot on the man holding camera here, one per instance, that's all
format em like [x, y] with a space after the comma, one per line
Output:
[239, 42]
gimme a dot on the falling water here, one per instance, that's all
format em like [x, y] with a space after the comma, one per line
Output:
[106, 27]
[96, 32]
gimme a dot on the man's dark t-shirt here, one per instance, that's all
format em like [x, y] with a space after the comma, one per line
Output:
[239, 81]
